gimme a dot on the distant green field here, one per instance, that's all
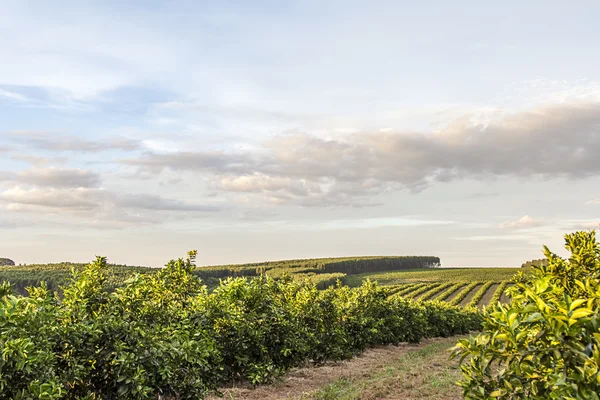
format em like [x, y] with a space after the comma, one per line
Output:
[458, 286]
[435, 274]
[410, 276]
[322, 272]
[59, 274]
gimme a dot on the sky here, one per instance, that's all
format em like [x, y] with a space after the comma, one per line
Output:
[264, 130]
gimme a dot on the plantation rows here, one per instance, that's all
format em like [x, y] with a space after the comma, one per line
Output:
[389, 278]
[163, 335]
[478, 293]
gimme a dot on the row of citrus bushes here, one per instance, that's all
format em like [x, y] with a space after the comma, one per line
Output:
[164, 335]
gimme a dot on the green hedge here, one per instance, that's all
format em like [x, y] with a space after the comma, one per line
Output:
[164, 334]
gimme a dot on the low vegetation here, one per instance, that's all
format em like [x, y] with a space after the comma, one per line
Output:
[456, 300]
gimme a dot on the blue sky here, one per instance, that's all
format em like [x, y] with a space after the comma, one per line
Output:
[265, 130]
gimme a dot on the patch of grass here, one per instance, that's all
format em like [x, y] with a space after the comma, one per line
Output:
[342, 389]
[424, 373]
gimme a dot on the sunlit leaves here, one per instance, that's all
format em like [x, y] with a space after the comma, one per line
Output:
[545, 344]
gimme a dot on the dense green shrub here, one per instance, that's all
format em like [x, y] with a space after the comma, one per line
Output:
[545, 344]
[163, 334]
[535, 263]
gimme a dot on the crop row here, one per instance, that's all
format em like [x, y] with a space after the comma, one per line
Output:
[411, 288]
[435, 291]
[463, 293]
[437, 274]
[445, 294]
[429, 286]
[442, 291]
[391, 290]
[498, 293]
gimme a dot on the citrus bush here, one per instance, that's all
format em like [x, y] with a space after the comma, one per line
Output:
[545, 344]
[163, 334]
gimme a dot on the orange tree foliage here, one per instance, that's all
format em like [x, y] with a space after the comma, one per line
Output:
[546, 343]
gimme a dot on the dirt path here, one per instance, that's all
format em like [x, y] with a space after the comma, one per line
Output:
[487, 297]
[391, 372]
[470, 295]
[453, 294]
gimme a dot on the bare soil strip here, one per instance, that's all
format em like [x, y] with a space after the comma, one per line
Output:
[504, 298]
[487, 297]
[390, 372]
[469, 295]
[453, 295]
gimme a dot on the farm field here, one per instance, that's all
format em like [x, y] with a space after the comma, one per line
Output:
[400, 276]
[457, 286]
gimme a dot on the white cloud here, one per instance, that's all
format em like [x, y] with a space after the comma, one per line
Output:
[524, 222]
[66, 199]
[13, 95]
[99, 204]
[53, 142]
[59, 177]
[581, 224]
[494, 238]
[593, 202]
[560, 141]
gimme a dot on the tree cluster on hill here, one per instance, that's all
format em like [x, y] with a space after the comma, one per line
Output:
[6, 262]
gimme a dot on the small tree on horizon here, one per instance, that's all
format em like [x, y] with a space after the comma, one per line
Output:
[6, 262]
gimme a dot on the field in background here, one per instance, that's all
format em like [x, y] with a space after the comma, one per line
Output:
[458, 286]
[414, 277]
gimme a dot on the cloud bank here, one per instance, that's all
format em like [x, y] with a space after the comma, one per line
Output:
[560, 141]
